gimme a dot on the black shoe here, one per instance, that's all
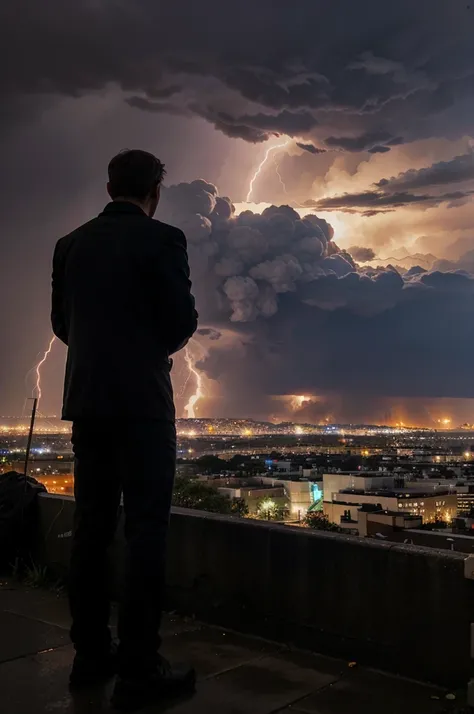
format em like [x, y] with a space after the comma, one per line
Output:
[90, 670]
[165, 683]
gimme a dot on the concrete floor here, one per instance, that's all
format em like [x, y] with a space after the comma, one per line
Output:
[237, 674]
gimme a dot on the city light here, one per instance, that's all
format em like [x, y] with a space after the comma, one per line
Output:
[445, 421]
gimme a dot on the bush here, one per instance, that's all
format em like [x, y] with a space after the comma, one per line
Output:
[239, 507]
[320, 522]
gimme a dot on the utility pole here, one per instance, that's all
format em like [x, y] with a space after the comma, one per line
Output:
[30, 437]
[25, 486]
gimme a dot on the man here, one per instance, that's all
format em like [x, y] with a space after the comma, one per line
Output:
[122, 303]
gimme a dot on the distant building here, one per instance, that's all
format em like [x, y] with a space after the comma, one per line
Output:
[360, 480]
[303, 494]
[388, 493]
[373, 523]
[463, 488]
[254, 495]
[465, 496]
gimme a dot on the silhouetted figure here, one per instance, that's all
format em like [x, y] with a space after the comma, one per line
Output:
[122, 303]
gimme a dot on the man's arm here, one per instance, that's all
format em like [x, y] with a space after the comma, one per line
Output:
[58, 321]
[180, 306]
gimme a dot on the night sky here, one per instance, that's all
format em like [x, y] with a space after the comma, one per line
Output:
[368, 311]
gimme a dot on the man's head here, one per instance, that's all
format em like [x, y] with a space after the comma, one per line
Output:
[136, 176]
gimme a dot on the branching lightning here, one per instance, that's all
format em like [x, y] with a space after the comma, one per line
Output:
[269, 151]
[191, 406]
[37, 388]
[190, 358]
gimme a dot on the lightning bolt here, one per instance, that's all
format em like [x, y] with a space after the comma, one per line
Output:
[37, 388]
[280, 177]
[185, 383]
[258, 171]
[191, 407]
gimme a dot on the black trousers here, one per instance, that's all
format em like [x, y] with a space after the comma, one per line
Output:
[136, 459]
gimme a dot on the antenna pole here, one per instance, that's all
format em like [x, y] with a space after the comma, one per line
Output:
[30, 437]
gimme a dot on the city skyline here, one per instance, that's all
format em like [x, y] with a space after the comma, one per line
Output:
[364, 315]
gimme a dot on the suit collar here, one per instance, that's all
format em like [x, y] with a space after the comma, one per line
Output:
[122, 207]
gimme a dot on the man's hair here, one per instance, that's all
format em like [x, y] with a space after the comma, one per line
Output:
[135, 174]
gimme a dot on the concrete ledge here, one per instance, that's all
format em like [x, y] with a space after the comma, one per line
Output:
[401, 608]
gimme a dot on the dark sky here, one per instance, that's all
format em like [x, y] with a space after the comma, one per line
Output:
[376, 101]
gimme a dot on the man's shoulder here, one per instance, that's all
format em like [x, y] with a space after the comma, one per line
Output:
[166, 230]
[84, 228]
[150, 231]
[162, 236]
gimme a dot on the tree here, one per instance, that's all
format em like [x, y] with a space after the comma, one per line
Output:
[320, 522]
[190, 493]
[211, 464]
[237, 461]
[268, 510]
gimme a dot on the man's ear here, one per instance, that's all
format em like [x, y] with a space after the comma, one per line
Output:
[108, 189]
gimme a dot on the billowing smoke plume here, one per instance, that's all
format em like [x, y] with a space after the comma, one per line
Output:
[307, 318]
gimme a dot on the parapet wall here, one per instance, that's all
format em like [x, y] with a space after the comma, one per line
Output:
[397, 607]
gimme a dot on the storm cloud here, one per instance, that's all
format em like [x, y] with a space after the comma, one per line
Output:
[373, 142]
[367, 90]
[441, 173]
[310, 148]
[375, 200]
[307, 319]
[362, 254]
[357, 84]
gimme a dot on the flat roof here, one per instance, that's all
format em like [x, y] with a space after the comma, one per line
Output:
[407, 516]
[397, 494]
[357, 473]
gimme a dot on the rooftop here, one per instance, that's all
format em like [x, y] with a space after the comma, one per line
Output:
[237, 674]
[396, 514]
[372, 474]
[389, 493]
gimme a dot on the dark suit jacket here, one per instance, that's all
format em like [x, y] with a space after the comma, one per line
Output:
[122, 303]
